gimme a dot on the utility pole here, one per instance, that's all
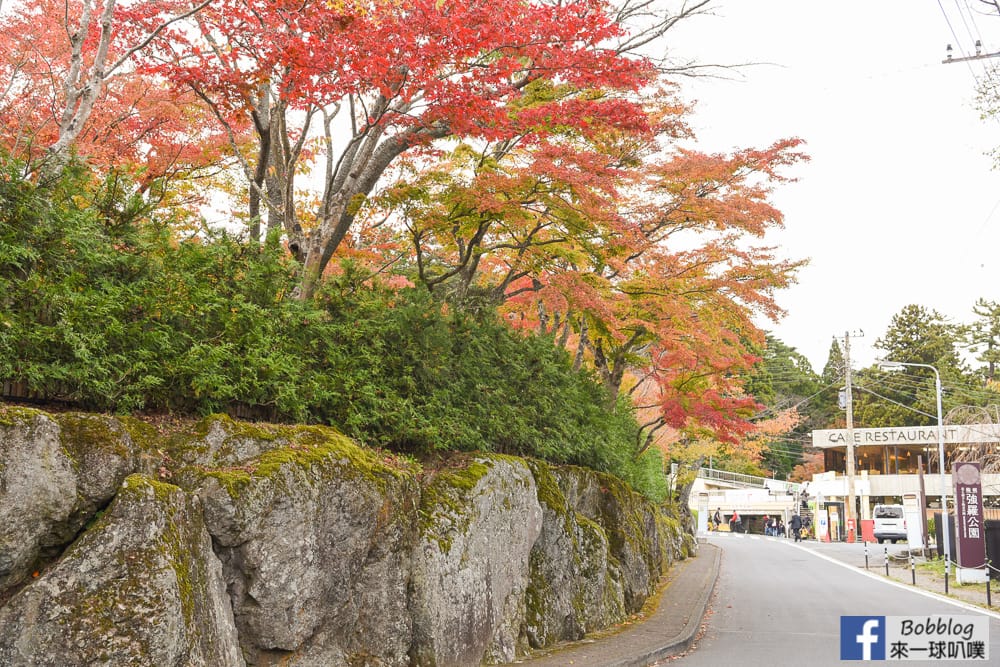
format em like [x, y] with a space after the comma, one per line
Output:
[979, 55]
[849, 515]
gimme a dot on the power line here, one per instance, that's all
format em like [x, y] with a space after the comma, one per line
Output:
[886, 398]
[965, 23]
[971, 427]
[963, 58]
[952, 387]
[972, 18]
[774, 411]
[786, 452]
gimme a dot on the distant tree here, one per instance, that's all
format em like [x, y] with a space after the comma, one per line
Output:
[759, 382]
[915, 335]
[792, 376]
[919, 335]
[983, 336]
[794, 395]
[812, 464]
[833, 370]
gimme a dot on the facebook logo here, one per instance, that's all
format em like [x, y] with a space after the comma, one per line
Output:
[862, 637]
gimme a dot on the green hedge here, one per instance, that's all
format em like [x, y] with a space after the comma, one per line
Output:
[103, 306]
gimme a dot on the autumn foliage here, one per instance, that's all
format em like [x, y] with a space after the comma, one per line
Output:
[812, 464]
[520, 156]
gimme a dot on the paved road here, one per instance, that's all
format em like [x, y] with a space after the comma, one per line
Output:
[777, 603]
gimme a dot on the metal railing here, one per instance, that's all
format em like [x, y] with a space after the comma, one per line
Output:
[747, 480]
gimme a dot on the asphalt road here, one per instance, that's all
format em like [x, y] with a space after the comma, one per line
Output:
[776, 603]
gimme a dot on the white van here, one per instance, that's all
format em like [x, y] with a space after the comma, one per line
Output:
[889, 523]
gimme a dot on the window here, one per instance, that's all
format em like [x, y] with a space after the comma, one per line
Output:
[888, 512]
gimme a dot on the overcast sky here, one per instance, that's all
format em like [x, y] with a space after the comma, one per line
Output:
[900, 203]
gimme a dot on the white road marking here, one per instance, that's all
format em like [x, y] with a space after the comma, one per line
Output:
[876, 577]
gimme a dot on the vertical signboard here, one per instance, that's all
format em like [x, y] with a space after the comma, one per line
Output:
[914, 518]
[822, 526]
[834, 514]
[970, 534]
[703, 512]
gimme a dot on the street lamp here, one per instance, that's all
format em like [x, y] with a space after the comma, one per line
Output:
[890, 365]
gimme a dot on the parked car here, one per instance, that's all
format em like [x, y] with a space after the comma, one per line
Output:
[889, 523]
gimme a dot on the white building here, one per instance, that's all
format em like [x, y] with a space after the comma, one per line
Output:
[887, 463]
[887, 467]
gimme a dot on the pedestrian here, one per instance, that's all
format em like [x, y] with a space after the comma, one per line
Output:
[796, 524]
[717, 519]
[775, 523]
[737, 522]
[767, 525]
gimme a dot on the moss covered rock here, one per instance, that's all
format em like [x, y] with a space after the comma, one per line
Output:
[575, 584]
[56, 473]
[219, 441]
[140, 587]
[470, 566]
[292, 545]
[633, 525]
[315, 540]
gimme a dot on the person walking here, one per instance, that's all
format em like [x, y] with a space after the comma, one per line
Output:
[717, 519]
[767, 525]
[796, 526]
[737, 522]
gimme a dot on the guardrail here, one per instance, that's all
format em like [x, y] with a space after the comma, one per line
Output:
[748, 480]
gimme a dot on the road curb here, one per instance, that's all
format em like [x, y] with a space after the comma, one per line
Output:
[683, 640]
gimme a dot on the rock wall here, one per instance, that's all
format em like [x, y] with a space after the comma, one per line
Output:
[236, 544]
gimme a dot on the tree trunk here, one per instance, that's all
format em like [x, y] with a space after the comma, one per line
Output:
[582, 346]
[80, 89]
[683, 491]
[340, 201]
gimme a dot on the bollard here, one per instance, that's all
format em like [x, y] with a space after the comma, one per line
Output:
[887, 561]
[913, 569]
[866, 555]
[947, 570]
[989, 578]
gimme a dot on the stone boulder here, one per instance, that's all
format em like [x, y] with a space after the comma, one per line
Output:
[575, 584]
[140, 587]
[292, 545]
[315, 541]
[220, 441]
[478, 524]
[56, 473]
[640, 542]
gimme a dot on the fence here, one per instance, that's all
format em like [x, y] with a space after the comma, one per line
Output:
[991, 530]
[747, 480]
[14, 390]
[11, 390]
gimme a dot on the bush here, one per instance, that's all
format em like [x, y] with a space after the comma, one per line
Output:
[72, 281]
[103, 307]
[418, 375]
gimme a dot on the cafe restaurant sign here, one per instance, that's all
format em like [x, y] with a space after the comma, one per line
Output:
[908, 435]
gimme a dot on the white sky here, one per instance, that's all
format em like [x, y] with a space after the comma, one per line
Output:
[900, 203]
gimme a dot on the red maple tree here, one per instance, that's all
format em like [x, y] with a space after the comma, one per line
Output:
[384, 79]
[640, 259]
[71, 84]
